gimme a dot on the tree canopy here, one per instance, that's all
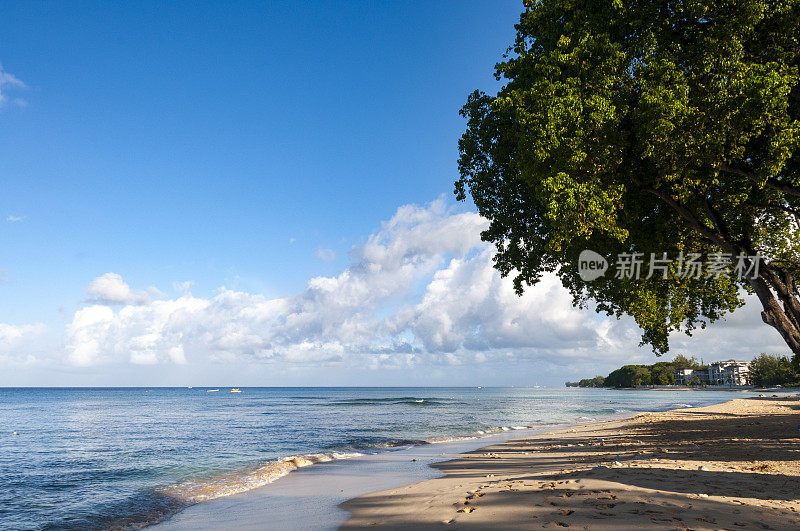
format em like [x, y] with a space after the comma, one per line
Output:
[646, 127]
[773, 370]
[629, 376]
[597, 381]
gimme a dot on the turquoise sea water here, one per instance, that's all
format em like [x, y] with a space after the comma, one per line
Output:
[95, 458]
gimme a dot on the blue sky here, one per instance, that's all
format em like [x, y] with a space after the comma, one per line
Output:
[191, 141]
[252, 146]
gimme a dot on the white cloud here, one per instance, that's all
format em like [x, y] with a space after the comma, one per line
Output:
[326, 254]
[21, 345]
[13, 219]
[468, 307]
[86, 333]
[111, 289]
[741, 335]
[9, 81]
[420, 292]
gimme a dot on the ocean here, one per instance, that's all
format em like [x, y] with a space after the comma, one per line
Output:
[94, 458]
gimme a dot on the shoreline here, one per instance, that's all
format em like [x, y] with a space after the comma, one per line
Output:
[731, 465]
[318, 485]
[316, 492]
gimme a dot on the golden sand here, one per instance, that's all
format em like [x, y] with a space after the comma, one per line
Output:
[729, 466]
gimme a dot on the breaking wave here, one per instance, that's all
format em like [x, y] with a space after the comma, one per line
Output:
[196, 491]
[227, 484]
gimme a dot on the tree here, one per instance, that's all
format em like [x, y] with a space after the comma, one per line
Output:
[629, 376]
[662, 373]
[597, 381]
[682, 362]
[772, 370]
[647, 127]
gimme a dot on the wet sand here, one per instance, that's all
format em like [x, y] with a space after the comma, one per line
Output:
[308, 498]
[734, 465]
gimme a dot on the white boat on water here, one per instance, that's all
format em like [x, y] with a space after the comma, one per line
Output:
[236, 390]
[212, 390]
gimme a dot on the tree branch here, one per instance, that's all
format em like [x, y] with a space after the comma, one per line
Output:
[775, 184]
[687, 215]
[716, 218]
[789, 210]
[781, 186]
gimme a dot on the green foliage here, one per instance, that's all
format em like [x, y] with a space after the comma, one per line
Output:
[682, 362]
[629, 376]
[597, 381]
[661, 373]
[645, 127]
[772, 370]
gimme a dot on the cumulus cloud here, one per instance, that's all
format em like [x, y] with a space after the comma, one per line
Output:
[420, 291]
[333, 318]
[111, 289]
[468, 307]
[9, 81]
[21, 345]
[740, 335]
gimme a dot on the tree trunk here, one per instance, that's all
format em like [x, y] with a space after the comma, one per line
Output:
[786, 319]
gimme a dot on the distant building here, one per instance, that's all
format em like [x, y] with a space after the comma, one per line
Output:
[683, 376]
[730, 373]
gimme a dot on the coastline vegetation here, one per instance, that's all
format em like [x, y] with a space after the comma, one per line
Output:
[765, 370]
[661, 373]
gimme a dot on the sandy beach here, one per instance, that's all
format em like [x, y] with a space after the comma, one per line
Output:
[734, 465]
